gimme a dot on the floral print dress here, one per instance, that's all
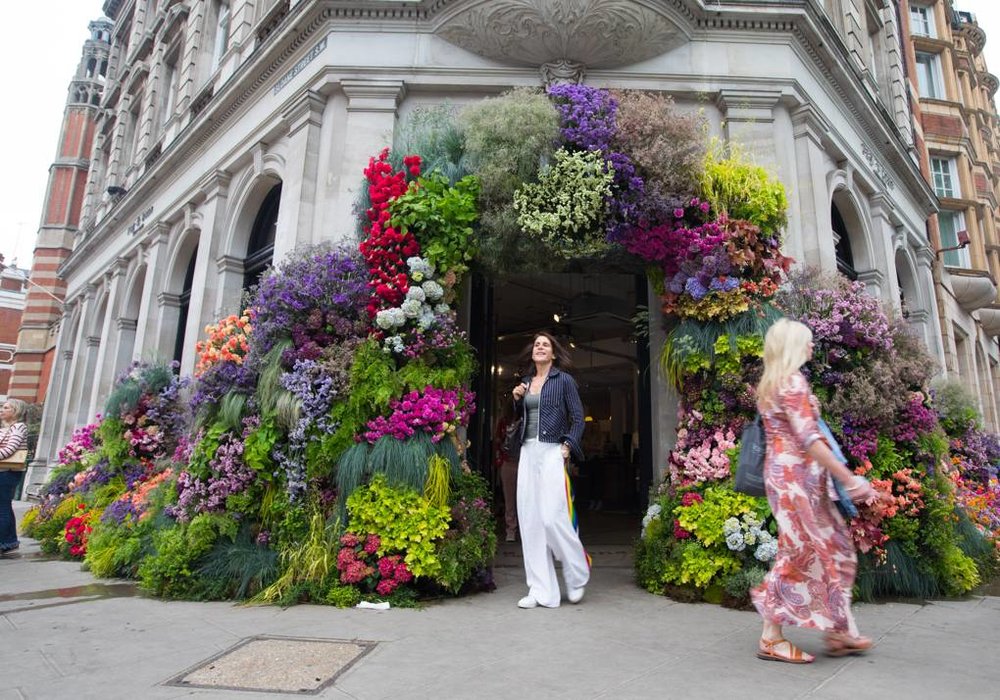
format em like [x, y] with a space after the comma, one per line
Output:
[809, 584]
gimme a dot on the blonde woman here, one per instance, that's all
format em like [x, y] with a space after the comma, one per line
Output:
[810, 583]
[13, 437]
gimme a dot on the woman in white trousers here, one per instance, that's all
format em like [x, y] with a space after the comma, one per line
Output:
[551, 428]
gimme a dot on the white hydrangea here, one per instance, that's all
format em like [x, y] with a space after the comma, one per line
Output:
[426, 319]
[388, 319]
[442, 309]
[420, 269]
[734, 541]
[411, 308]
[652, 513]
[766, 551]
[730, 526]
[416, 293]
[393, 344]
[432, 290]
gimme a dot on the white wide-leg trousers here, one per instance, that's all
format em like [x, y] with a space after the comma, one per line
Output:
[545, 517]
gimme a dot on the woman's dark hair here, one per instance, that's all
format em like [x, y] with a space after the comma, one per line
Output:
[560, 356]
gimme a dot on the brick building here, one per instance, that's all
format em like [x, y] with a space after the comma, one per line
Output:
[12, 297]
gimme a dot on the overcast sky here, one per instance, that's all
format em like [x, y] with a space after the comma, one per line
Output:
[41, 62]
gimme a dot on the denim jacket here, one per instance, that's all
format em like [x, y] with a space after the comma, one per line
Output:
[560, 413]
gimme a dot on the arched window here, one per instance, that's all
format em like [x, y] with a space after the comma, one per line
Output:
[845, 258]
[185, 305]
[260, 250]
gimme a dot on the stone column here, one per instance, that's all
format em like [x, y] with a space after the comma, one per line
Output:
[155, 256]
[167, 316]
[809, 225]
[230, 295]
[369, 127]
[925, 278]
[124, 344]
[296, 212]
[47, 448]
[104, 358]
[748, 119]
[883, 253]
[73, 386]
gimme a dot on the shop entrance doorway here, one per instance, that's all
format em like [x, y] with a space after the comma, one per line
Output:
[591, 315]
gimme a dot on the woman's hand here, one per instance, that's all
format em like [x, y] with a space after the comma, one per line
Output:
[860, 490]
[564, 448]
[518, 392]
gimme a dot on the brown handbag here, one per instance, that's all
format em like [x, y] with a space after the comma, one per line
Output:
[17, 462]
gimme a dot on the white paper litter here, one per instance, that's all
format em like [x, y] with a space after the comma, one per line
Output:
[365, 605]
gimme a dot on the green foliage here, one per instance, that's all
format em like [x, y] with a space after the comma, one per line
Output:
[507, 138]
[441, 216]
[704, 520]
[470, 542]
[171, 572]
[900, 575]
[373, 385]
[258, 446]
[114, 446]
[887, 460]
[690, 344]
[307, 567]
[405, 521]
[566, 207]
[691, 563]
[735, 186]
[740, 583]
[237, 569]
[269, 388]
[456, 372]
[956, 407]
[204, 451]
[438, 487]
[342, 596]
[432, 133]
[232, 408]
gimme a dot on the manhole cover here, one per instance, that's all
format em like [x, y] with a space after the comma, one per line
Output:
[276, 665]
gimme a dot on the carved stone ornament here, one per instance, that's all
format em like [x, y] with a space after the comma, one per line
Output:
[594, 33]
[562, 73]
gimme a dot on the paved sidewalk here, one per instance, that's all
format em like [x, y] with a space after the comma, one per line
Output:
[64, 634]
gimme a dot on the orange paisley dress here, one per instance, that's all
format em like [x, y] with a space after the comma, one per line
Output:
[810, 581]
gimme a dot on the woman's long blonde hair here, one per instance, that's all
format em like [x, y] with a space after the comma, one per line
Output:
[786, 349]
[19, 407]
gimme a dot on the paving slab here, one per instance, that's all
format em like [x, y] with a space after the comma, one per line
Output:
[65, 634]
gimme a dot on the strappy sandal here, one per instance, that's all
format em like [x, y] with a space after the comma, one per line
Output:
[845, 645]
[767, 651]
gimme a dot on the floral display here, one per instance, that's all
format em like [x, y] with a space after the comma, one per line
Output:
[321, 455]
[227, 341]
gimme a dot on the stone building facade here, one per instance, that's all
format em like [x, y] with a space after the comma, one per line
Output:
[231, 131]
[36, 339]
[956, 126]
[13, 288]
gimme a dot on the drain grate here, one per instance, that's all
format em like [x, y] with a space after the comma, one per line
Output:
[270, 664]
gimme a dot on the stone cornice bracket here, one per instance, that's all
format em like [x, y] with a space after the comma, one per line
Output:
[117, 269]
[215, 184]
[126, 324]
[808, 122]
[598, 33]
[306, 111]
[562, 72]
[159, 232]
[373, 95]
[755, 106]
[93, 341]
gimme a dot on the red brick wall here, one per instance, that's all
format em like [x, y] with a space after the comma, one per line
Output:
[942, 125]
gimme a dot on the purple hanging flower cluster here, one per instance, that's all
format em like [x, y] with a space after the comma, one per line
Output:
[846, 317]
[228, 475]
[315, 299]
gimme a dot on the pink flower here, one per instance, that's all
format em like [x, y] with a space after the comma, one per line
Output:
[372, 543]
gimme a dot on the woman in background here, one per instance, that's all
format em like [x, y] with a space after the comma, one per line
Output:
[13, 438]
[551, 428]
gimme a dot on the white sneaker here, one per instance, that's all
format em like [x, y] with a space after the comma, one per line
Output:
[575, 595]
[527, 602]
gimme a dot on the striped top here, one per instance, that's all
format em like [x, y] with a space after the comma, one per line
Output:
[13, 438]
